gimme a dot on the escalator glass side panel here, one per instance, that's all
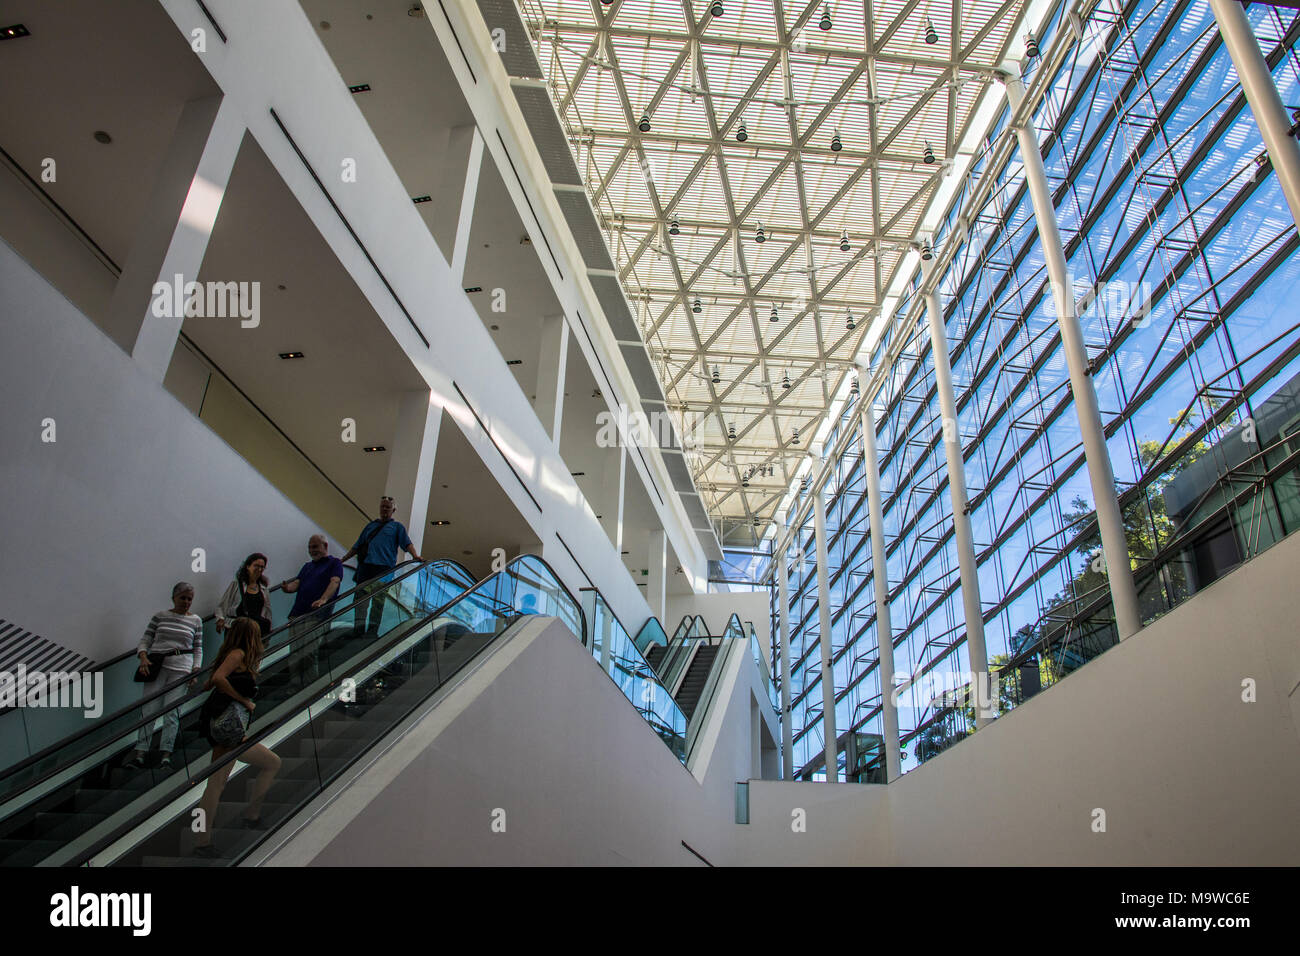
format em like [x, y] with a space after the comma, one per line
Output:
[42, 728]
[108, 742]
[365, 686]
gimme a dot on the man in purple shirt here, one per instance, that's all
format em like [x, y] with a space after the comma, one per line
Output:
[316, 584]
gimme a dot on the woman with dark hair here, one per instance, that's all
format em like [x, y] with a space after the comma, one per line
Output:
[248, 596]
[223, 720]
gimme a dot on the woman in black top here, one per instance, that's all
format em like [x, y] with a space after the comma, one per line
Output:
[235, 679]
[247, 596]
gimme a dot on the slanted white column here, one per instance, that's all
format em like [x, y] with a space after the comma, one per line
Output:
[1110, 520]
[464, 150]
[410, 463]
[964, 541]
[656, 592]
[612, 495]
[172, 236]
[1261, 93]
[831, 745]
[783, 615]
[552, 359]
[880, 580]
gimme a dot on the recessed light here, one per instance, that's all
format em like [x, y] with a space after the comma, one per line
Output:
[625, 552]
[324, 24]
[282, 287]
[495, 328]
[474, 288]
[14, 32]
[439, 524]
[421, 199]
[102, 137]
[359, 88]
[374, 448]
[514, 361]
[415, 11]
[577, 474]
[291, 355]
[467, 553]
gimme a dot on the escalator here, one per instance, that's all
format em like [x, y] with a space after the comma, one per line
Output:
[326, 696]
[696, 676]
[71, 802]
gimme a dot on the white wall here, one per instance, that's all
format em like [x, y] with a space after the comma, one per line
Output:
[99, 524]
[541, 733]
[1154, 732]
[274, 59]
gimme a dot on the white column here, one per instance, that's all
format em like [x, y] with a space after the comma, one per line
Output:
[880, 579]
[783, 615]
[1123, 592]
[172, 236]
[976, 655]
[552, 360]
[611, 496]
[464, 141]
[831, 744]
[1261, 93]
[656, 593]
[411, 461]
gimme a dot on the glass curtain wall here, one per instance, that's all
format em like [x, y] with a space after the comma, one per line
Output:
[1183, 254]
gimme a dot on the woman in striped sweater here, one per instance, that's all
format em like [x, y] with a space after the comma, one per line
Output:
[178, 635]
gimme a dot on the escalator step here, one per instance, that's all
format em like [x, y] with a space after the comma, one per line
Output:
[26, 852]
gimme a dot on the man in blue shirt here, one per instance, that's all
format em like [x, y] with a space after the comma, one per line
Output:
[316, 585]
[376, 551]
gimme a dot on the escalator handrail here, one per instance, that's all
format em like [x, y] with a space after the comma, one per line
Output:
[193, 780]
[91, 728]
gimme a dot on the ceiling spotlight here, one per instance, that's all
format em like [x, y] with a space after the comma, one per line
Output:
[850, 324]
[374, 448]
[775, 316]
[644, 125]
[928, 155]
[785, 381]
[716, 9]
[696, 307]
[415, 11]
[836, 145]
[825, 22]
[744, 480]
[927, 253]
[760, 236]
[803, 483]
[291, 355]
[731, 432]
[853, 386]
[742, 134]
[931, 37]
[794, 438]
[607, 2]
[844, 241]
[1031, 46]
[674, 229]
[716, 377]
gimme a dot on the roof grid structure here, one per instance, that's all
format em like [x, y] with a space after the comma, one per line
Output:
[761, 119]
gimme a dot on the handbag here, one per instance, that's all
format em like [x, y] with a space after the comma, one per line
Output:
[155, 668]
[230, 726]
